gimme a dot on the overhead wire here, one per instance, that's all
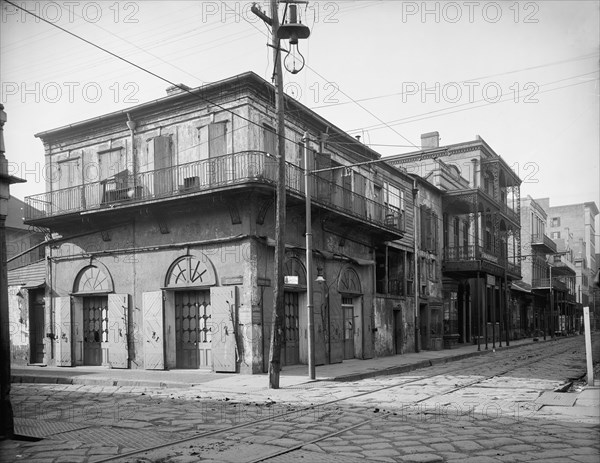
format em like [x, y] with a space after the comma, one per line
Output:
[191, 92]
[447, 110]
[579, 58]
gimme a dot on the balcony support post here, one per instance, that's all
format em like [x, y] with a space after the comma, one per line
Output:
[478, 299]
[552, 327]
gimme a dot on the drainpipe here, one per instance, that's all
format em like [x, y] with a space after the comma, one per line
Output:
[416, 265]
[131, 125]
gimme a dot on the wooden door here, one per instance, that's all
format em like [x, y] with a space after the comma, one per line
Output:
[398, 331]
[36, 326]
[291, 352]
[193, 329]
[348, 323]
[163, 174]
[95, 328]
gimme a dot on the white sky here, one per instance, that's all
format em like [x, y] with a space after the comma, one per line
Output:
[543, 58]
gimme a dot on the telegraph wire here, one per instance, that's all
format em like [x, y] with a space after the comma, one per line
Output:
[190, 91]
[410, 119]
[582, 57]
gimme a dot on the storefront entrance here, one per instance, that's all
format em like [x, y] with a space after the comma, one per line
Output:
[95, 328]
[291, 350]
[348, 314]
[193, 330]
[36, 326]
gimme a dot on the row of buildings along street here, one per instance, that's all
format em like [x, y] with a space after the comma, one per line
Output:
[154, 242]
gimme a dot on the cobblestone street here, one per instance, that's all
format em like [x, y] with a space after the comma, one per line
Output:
[484, 409]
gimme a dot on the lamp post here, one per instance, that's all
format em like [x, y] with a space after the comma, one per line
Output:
[291, 31]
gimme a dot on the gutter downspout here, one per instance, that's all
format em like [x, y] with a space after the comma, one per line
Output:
[416, 265]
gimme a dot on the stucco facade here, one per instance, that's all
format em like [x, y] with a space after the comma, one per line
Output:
[163, 222]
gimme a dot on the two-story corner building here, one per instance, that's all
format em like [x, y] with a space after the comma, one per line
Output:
[163, 218]
[480, 233]
[548, 277]
[575, 224]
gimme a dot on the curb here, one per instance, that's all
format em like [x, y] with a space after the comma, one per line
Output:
[87, 381]
[428, 363]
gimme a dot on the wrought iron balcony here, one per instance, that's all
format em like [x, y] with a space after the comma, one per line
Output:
[473, 258]
[543, 243]
[544, 283]
[205, 176]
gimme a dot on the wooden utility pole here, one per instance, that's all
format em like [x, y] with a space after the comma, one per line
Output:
[278, 300]
[6, 412]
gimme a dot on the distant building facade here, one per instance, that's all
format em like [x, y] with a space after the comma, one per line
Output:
[574, 224]
[26, 286]
[480, 234]
[548, 278]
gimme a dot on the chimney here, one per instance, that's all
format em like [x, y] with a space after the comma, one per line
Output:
[179, 88]
[430, 140]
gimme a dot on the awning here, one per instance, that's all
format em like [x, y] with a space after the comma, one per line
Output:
[521, 287]
[34, 284]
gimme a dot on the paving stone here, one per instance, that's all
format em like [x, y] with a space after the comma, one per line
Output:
[585, 458]
[517, 448]
[466, 445]
[443, 447]
[421, 458]
[380, 453]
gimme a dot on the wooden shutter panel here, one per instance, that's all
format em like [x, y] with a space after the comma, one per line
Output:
[224, 335]
[217, 139]
[163, 176]
[154, 351]
[62, 317]
[117, 332]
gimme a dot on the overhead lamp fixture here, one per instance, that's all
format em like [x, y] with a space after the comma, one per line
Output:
[320, 278]
[293, 31]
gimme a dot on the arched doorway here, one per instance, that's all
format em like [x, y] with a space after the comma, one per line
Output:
[350, 289]
[102, 316]
[189, 279]
[293, 295]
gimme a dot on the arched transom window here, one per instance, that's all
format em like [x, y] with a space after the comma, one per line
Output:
[189, 271]
[92, 279]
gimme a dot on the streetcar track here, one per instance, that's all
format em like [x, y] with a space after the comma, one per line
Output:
[534, 358]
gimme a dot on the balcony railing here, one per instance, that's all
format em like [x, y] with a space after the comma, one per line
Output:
[543, 241]
[475, 252]
[544, 283]
[203, 176]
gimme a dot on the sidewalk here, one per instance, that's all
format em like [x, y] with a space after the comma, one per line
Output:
[348, 370]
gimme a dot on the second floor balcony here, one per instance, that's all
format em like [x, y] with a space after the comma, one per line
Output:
[543, 243]
[470, 259]
[549, 283]
[233, 171]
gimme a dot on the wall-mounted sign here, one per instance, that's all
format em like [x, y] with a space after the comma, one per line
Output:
[291, 279]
